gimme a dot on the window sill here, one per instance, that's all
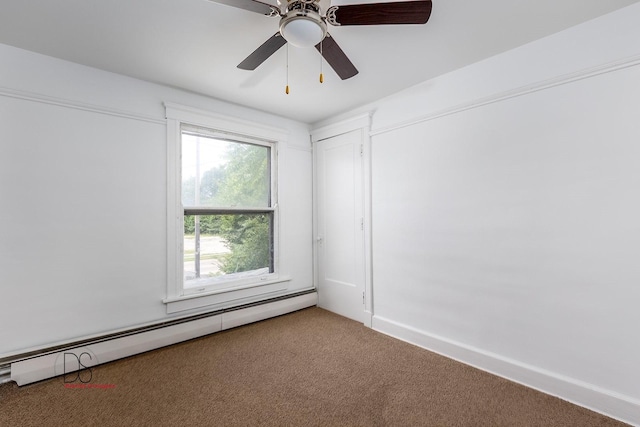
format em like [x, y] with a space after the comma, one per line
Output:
[224, 296]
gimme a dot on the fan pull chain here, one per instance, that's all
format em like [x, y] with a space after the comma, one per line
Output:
[286, 90]
[321, 75]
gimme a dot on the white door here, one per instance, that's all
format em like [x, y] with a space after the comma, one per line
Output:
[340, 235]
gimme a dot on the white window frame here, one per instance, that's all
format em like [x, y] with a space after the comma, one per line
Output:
[227, 292]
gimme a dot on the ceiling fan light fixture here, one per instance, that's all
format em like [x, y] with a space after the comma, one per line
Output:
[303, 28]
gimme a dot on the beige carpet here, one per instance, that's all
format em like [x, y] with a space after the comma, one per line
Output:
[309, 368]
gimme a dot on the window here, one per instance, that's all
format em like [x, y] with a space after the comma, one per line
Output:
[222, 210]
[228, 209]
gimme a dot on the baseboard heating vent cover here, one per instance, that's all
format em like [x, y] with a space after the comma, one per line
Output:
[81, 358]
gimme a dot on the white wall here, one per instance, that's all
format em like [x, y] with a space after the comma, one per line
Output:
[83, 199]
[505, 214]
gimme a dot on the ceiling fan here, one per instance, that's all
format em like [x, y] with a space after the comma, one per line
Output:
[303, 23]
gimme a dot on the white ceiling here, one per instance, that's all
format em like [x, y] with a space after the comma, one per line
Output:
[196, 45]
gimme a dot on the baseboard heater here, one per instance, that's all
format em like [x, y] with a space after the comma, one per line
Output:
[82, 355]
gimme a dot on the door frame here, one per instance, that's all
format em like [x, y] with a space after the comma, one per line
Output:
[360, 122]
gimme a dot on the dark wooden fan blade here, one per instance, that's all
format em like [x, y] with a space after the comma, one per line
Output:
[336, 58]
[252, 5]
[403, 12]
[261, 54]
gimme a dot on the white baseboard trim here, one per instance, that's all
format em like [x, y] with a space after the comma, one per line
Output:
[606, 402]
[84, 357]
[368, 319]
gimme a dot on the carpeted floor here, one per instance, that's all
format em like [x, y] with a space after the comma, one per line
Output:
[309, 368]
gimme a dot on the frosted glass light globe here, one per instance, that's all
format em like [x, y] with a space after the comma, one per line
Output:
[302, 32]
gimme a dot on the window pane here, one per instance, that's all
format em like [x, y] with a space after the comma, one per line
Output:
[222, 247]
[219, 173]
